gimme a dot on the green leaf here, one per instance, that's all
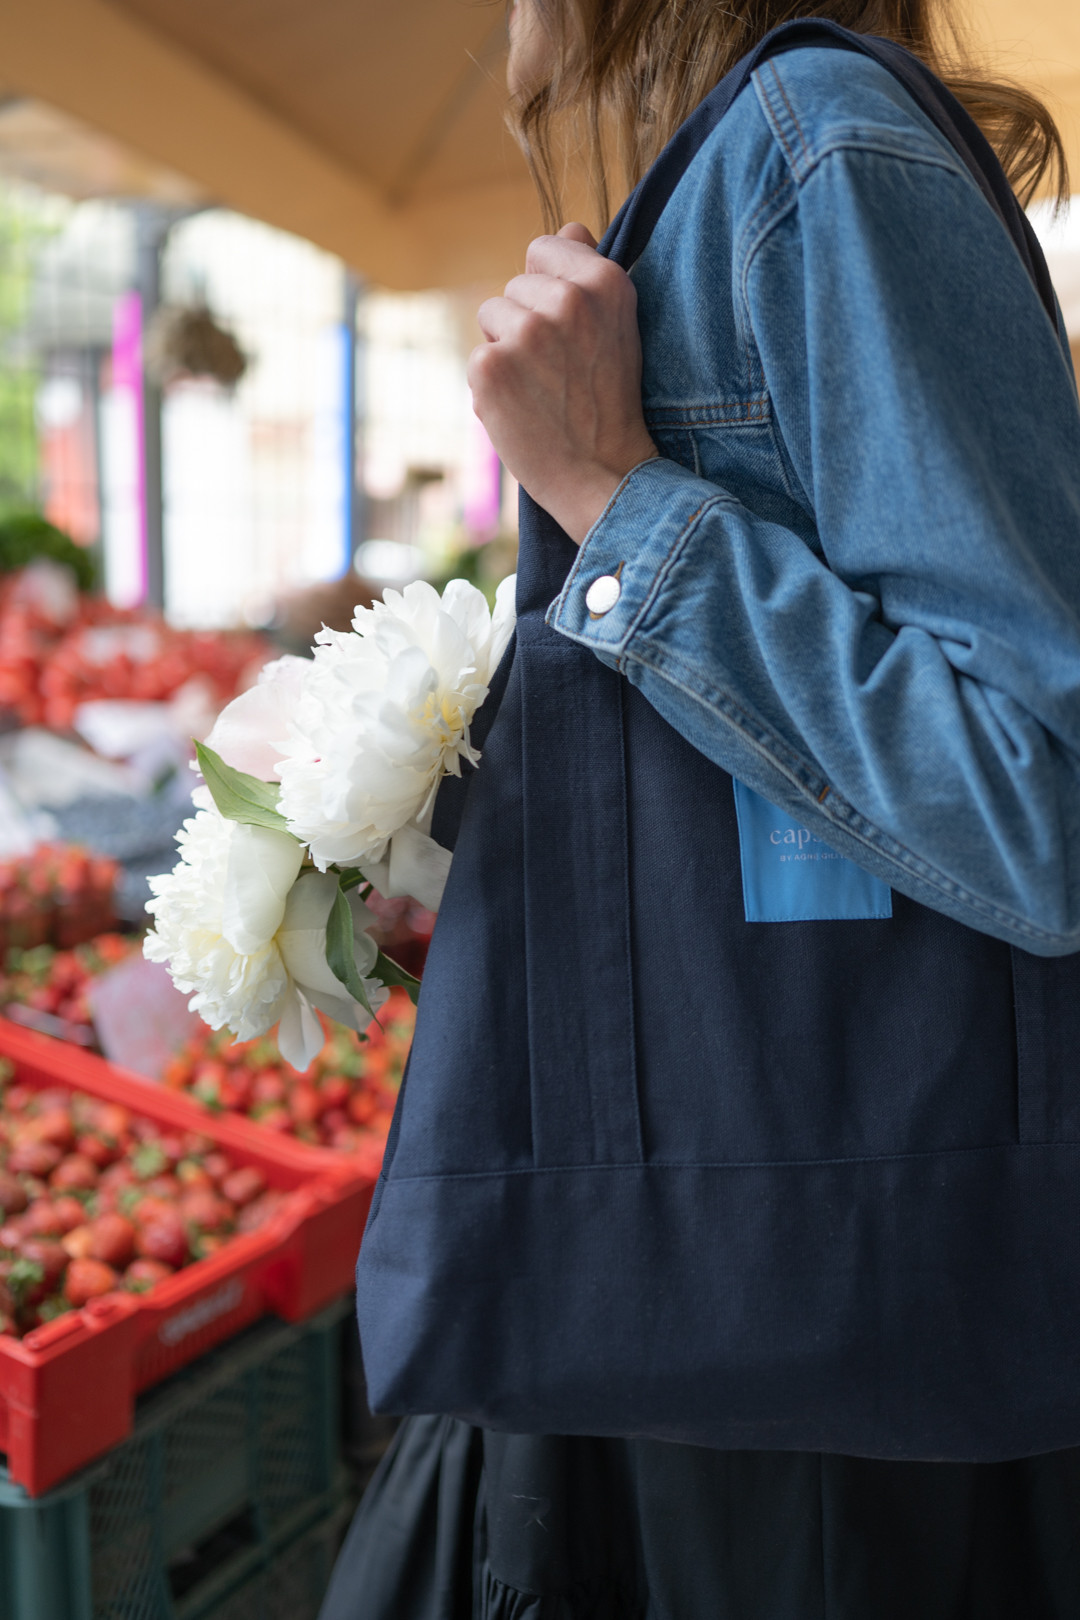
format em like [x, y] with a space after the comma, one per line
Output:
[351, 877]
[341, 950]
[390, 973]
[56, 1305]
[23, 1276]
[238, 796]
[148, 1161]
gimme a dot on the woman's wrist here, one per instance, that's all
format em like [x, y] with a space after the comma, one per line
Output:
[577, 500]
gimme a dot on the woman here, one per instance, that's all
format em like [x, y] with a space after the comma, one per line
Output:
[827, 509]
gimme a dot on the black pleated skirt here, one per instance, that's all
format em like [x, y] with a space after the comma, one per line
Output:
[463, 1524]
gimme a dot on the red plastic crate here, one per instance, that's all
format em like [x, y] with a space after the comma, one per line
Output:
[67, 1390]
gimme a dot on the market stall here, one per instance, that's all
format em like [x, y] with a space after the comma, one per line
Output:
[179, 1210]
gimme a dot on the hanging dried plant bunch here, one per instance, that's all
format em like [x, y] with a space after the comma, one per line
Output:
[186, 341]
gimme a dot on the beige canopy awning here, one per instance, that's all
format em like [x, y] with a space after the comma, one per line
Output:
[372, 127]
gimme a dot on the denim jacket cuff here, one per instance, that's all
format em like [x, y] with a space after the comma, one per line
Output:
[623, 558]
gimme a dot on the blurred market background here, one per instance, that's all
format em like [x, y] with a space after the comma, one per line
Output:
[241, 247]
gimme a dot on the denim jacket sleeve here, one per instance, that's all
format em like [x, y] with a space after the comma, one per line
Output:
[912, 690]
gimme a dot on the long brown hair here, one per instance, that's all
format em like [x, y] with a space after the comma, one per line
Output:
[622, 75]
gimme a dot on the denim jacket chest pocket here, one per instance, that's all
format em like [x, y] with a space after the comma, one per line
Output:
[705, 399]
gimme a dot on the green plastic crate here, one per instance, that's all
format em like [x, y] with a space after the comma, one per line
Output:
[291, 1582]
[233, 1466]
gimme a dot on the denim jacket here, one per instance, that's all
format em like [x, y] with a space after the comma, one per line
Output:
[852, 576]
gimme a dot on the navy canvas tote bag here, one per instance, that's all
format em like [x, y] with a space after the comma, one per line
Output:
[660, 1171]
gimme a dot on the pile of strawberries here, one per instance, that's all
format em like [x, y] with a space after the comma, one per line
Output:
[95, 1199]
[47, 668]
[343, 1101]
[55, 982]
[59, 895]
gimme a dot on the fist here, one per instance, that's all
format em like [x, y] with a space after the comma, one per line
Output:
[557, 383]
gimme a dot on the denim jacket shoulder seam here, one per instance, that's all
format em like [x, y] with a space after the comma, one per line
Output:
[803, 155]
[794, 127]
[880, 145]
[783, 132]
[800, 774]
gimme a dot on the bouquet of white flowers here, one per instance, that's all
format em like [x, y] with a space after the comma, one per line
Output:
[320, 783]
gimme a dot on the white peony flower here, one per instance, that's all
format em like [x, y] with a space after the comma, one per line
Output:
[244, 931]
[383, 715]
[249, 731]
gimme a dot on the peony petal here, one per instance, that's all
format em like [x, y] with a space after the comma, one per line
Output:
[309, 901]
[468, 608]
[300, 1034]
[377, 874]
[262, 869]
[342, 1009]
[303, 950]
[302, 936]
[503, 620]
[248, 732]
[418, 867]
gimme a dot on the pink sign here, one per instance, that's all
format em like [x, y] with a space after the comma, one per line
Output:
[141, 1018]
[483, 485]
[127, 380]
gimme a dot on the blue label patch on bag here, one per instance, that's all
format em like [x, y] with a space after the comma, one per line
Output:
[789, 874]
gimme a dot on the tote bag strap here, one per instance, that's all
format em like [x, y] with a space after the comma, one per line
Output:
[632, 226]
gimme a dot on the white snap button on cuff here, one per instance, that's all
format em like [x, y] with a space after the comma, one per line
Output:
[602, 595]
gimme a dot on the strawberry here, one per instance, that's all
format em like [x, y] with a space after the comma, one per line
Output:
[303, 1104]
[52, 1258]
[259, 1211]
[69, 1212]
[95, 1148]
[275, 1118]
[361, 1108]
[334, 1091]
[205, 1211]
[78, 1242]
[197, 1146]
[112, 1121]
[13, 1199]
[141, 1275]
[75, 1173]
[146, 1208]
[241, 1186]
[165, 1186]
[34, 1158]
[42, 1219]
[190, 1173]
[117, 1177]
[268, 1086]
[88, 1279]
[113, 1240]
[237, 1091]
[53, 1125]
[163, 1239]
